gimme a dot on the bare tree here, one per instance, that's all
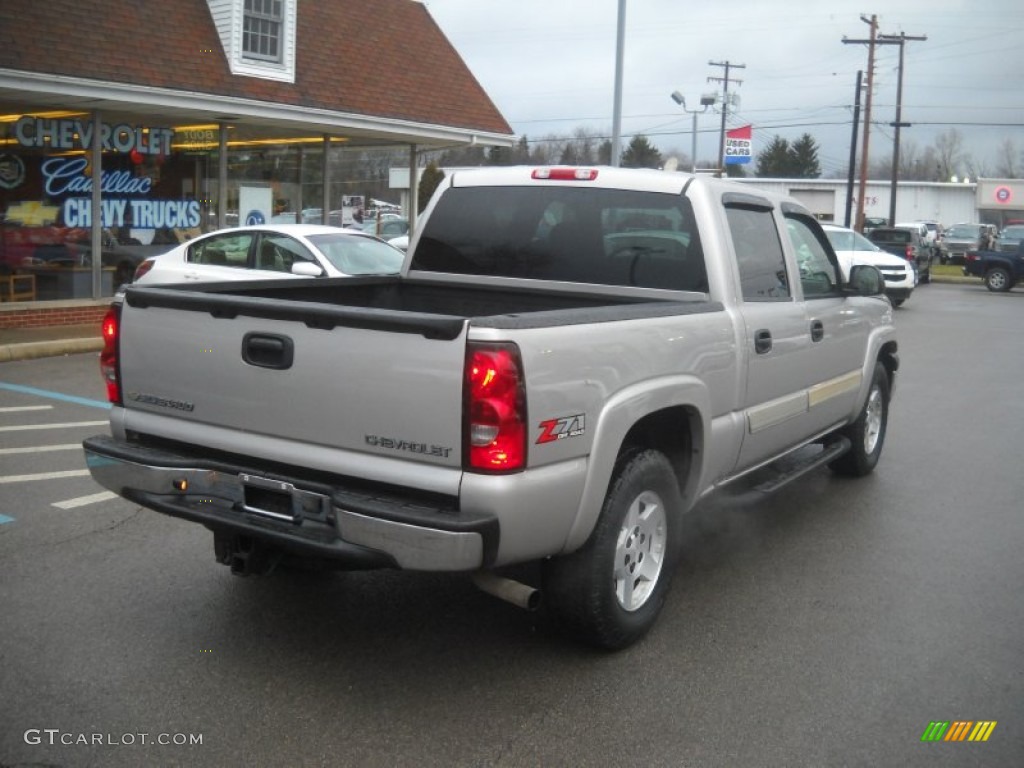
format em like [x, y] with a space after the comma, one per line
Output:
[949, 152]
[977, 169]
[1008, 160]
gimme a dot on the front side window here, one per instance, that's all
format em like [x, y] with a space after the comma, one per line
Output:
[759, 254]
[277, 253]
[261, 29]
[818, 272]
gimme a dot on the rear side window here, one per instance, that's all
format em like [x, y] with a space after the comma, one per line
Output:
[602, 236]
[759, 254]
[226, 250]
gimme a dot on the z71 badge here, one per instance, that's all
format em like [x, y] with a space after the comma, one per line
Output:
[559, 429]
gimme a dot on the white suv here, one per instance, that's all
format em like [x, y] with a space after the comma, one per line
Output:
[853, 248]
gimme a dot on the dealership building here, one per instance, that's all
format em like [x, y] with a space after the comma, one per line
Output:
[989, 201]
[127, 127]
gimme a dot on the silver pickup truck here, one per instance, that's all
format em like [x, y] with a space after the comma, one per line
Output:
[570, 359]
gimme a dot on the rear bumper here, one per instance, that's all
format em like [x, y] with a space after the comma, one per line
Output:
[360, 527]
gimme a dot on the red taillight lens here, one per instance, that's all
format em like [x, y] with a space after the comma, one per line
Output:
[111, 330]
[495, 417]
[142, 269]
[909, 253]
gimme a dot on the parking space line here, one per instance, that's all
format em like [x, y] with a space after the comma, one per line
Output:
[44, 476]
[65, 425]
[41, 449]
[82, 501]
[20, 408]
[54, 395]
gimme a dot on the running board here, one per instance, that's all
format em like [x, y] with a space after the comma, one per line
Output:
[829, 453]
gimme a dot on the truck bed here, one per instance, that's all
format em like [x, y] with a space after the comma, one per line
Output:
[407, 304]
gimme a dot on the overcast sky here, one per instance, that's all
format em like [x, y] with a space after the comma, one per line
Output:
[549, 66]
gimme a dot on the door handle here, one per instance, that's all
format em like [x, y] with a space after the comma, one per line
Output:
[268, 350]
[762, 341]
[817, 330]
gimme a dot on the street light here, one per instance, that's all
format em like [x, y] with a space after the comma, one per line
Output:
[707, 100]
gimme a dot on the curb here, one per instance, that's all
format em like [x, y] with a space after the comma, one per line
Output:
[35, 349]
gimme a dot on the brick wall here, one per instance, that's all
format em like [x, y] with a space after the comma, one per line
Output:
[39, 317]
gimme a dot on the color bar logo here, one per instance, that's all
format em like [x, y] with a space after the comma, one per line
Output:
[958, 730]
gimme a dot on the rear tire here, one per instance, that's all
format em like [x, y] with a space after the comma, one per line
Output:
[998, 280]
[609, 592]
[867, 433]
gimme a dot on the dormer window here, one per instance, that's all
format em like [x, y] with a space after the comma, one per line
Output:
[262, 23]
[258, 36]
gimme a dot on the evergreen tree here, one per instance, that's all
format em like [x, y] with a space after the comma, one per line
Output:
[430, 178]
[804, 157]
[641, 154]
[774, 161]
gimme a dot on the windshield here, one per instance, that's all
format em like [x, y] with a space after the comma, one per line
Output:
[848, 240]
[964, 230]
[357, 255]
[1013, 233]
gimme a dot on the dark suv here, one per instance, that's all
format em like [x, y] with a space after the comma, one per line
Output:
[907, 243]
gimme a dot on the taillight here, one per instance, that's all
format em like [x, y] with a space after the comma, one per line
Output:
[495, 408]
[111, 330]
[565, 174]
[142, 269]
[910, 253]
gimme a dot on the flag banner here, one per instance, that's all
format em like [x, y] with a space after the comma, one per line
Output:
[738, 145]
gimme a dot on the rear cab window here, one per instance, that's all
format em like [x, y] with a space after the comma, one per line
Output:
[601, 236]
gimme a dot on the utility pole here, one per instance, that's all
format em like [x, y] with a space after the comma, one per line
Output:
[725, 107]
[620, 45]
[853, 147]
[873, 23]
[899, 40]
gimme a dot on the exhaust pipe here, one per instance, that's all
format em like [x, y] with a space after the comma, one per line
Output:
[520, 595]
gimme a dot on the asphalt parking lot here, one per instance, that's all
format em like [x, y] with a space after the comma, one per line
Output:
[831, 624]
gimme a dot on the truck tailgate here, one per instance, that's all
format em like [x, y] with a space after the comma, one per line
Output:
[393, 395]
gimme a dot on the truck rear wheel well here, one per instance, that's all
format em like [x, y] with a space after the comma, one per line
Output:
[890, 360]
[672, 432]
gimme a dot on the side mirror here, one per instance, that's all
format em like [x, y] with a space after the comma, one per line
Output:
[866, 280]
[306, 269]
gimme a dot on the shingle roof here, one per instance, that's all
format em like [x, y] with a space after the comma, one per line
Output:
[377, 58]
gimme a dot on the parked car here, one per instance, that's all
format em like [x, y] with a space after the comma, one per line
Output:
[387, 227]
[1010, 238]
[853, 248]
[283, 250]
[930, 233]
[401, 243]
[964, 237]
[874, 222]
[908, 243]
